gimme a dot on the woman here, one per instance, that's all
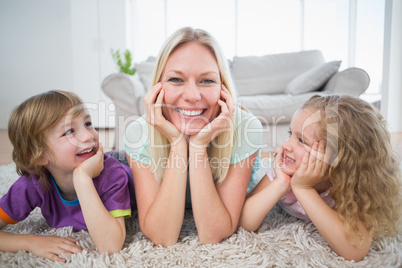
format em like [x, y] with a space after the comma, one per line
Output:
[194, 148]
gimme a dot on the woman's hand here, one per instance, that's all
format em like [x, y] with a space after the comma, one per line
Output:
[153, 109]
[281, 176]
[313, 168]
[220, 124]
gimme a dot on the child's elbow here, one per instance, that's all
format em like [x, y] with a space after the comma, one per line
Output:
[353, 257]
[356, 254]
[248, 226]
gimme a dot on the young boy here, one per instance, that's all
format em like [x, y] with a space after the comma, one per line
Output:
[65, 173]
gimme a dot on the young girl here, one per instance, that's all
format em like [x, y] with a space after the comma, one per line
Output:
[338, 170]
[65, 173]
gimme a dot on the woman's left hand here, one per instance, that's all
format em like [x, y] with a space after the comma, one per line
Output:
[314, 167]
[220, 124]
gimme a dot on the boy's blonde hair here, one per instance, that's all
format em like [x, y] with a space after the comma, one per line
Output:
[159, 145]
[28, 125]
[364, 170]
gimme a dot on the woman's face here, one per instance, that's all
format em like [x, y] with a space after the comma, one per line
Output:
[192, 85]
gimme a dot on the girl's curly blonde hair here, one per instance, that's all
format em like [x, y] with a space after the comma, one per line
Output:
[364, 170]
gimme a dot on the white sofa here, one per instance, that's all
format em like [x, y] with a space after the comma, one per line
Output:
[272, 87]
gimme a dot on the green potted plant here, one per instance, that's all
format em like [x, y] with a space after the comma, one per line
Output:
[124, 64]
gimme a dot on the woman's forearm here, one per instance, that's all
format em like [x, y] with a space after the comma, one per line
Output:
[163, 220]
[212, 219]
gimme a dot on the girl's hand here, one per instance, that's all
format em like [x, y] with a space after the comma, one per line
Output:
[93, 166]
[281, 176]
[50, 247]
[313, 168]
[220, 124]
[153, 109]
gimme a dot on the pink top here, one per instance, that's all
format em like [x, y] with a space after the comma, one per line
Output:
[290, 204]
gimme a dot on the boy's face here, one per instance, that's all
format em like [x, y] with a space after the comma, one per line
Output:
[304, 131]
[71, 142]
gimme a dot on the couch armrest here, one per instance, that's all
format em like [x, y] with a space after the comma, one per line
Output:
[352, 81]
[127, 92]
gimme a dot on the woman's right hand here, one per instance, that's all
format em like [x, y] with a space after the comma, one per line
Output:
[153, 109]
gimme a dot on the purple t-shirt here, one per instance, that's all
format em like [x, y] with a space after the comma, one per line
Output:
[115, 187]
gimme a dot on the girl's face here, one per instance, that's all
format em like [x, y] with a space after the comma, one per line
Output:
[192, 85]
[71, 142]
[304, 131]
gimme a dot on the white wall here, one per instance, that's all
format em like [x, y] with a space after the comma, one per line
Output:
[96, 27]
[59, 44]
[35, 50]
[392, 77]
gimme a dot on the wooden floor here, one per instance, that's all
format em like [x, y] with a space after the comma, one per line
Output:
[5, 148]
[106, 137]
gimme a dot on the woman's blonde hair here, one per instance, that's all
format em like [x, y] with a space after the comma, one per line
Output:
[364, 170]
[28, 125]
[220, 148]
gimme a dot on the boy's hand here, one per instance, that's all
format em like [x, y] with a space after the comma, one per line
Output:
[50, 247]
[313, 168]
[93, 166]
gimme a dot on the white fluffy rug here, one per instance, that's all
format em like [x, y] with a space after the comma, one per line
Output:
[281, 241]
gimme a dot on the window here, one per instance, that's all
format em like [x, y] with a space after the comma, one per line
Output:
[326, 27]
[267, 27]
[369, 40]
[347, 30]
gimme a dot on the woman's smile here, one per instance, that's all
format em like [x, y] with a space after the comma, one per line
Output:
[190, 113]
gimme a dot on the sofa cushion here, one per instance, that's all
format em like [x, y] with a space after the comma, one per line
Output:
[313, 79]
[352, 81]
[270, 74]
[276, 108]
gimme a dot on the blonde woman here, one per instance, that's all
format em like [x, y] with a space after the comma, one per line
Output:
[338, 170]
[194, 148]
